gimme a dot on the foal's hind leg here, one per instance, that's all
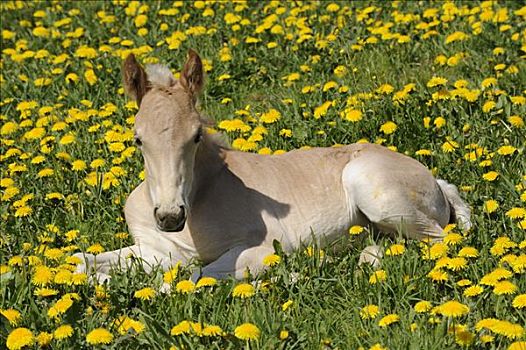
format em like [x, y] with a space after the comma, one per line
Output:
[235, 262]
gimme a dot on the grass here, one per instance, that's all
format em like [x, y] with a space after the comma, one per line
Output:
[468, 128]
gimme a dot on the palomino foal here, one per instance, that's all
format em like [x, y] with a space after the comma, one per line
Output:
[225, 208]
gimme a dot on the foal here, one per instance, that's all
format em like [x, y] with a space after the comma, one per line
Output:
[203, 201]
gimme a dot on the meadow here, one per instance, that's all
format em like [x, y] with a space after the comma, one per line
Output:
[443, 82]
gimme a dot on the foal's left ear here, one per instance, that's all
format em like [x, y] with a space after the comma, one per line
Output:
[192, 78]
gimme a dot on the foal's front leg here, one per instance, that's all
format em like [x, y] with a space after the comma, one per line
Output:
[235, 262]
[102, 264]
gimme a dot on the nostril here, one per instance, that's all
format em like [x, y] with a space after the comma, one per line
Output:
[182, 210]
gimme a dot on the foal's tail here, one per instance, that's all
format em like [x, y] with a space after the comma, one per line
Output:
[460, 212]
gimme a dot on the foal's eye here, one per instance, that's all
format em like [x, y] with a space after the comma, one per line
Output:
[199, 135]
[138, 141]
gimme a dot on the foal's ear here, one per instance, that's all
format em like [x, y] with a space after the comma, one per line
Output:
[134, 79]
[192, 78]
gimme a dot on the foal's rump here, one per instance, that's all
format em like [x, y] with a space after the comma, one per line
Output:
[395, 192]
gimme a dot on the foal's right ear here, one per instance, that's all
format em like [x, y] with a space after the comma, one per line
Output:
[134, 79]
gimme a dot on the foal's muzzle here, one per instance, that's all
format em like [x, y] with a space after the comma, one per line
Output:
[170, 221]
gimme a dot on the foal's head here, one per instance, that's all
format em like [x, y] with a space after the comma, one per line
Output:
[168, 130]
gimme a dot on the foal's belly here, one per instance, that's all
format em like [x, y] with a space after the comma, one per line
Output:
[322, 223]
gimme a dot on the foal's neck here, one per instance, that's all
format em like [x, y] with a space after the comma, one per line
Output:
[209, 162]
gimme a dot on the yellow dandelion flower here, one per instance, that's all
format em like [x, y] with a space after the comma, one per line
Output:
[124, 324]
[234, 125]
[243, 290]
[79, 278]
[270, 117]
[54, 254]
[212, 331]
[12, 315]
[322, 109]
[182, 327]
[453, 309]
[422, 306]
[490, 176]
[42, 275]
[449, 146]
[453, 239]
[99, 336]
[63, 276]
[97, 163]
[520, 301]
[340, 71]
[247, 331]
[388, 127]
[439, 122]
[438, 275]
[329, 85]
[388, 320]
[456, 36]
[23, 211]
[95, 249]
[456, 264]
[395, 249]
[352, 115]
[464, 337]
[206, 282]
[63, 332]
[436, 251]
[145, 293]
[271, 260]
[468, 252]
[507, 329]
[378, 276]
[488, 82]
[518, 345]
[424, 152]
[464, 282]
[436, 81]
[369, 311]
[71, 78]
[385, 89]
[501, 245]
[185, 287]
[516, 213]
[356, 230]
[473, 291]
[286, 305]
[506, 150]
[170, 275]
[516, 121]
[490, 206]
[78, 165]
[486, 338]
[490, 279]
[519, 264]
[18, 338]
[504, 287]
[90, 77]
[44, 339]
[45, 292]
[67, 139]
[488, 106]
[45, 172]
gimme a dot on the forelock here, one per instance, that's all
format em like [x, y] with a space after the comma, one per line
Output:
[160, 75]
